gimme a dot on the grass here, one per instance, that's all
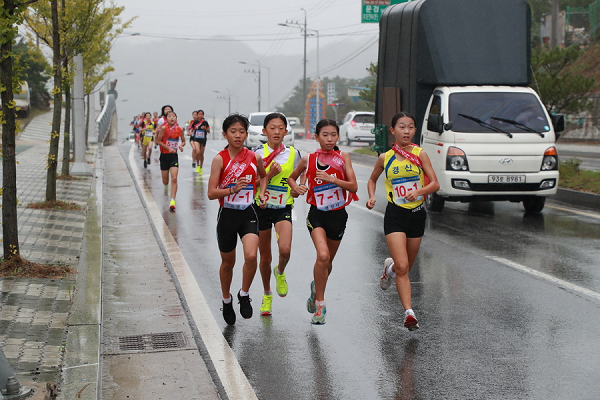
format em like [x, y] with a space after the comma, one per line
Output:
[366, 150]
[571, 177]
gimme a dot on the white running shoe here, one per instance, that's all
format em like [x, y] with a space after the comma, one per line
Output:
[410, 321]
[385, 281]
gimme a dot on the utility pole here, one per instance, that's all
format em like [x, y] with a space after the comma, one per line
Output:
[304, 79]
[554, 32]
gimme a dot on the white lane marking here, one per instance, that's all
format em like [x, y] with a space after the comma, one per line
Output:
[542, 275]
[587, 214]
[228, 368]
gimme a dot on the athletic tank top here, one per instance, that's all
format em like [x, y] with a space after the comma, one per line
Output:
[171, 137]
[324, 195]
[401, 177]
[241, 200]
[278, 190]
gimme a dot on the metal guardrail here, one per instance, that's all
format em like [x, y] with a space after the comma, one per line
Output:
[105, 118]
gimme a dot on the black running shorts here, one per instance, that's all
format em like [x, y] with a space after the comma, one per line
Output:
[409, 221]
[233, 223]
[168, 161]
[267, 217]
[201, 141]
[334, 221]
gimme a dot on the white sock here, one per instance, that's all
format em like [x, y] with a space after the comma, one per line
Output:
[227, 301]
[243, 294]
[390, 271]
[409, 312]
[320, 303]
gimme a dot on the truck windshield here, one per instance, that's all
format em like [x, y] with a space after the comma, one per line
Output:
[509, 112]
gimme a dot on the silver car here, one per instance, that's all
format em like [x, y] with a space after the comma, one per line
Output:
[256, 137]
[357, 127]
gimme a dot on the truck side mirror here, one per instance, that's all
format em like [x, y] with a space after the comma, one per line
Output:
[435, 123]
[558, 121]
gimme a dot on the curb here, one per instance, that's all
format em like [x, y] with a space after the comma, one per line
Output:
[81, 362]
[579, 199]
[563, 195]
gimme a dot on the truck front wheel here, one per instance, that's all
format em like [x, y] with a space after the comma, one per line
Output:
[534, 204]
[433, 202]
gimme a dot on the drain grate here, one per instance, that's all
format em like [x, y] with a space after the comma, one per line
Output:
[149, 342]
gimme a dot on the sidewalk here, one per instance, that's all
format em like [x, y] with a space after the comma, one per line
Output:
[118, 329]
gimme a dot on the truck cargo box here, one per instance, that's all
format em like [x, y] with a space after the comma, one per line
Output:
[428, 43]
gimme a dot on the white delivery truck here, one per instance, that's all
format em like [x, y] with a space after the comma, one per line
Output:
[23, 100]
[462, 67]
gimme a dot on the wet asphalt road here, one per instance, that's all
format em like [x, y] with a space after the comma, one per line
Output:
[509, 304]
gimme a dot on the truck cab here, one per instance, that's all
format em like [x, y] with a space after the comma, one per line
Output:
[490, 143]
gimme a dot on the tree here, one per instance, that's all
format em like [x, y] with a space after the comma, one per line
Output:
[295, 104]
[369, 95]
[558, 81]
[35, 67]
[10, 17]
[83, 26]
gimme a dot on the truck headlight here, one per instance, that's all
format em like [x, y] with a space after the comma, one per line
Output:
[456, 160]
[550, 160]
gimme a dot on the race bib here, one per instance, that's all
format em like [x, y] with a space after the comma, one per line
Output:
[329, 197]
[149, 133]
[402, 186]
[241, 200]
[277, 196]
[200, 134]
[172, 143]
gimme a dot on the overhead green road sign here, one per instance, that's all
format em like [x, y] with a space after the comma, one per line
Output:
[372, 9]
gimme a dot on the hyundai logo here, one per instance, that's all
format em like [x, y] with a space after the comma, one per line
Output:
[506, 161]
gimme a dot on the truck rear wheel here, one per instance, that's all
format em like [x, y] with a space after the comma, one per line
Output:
[534, 204]
[433, 202]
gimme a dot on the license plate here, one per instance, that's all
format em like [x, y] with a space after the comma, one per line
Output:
[506, 178]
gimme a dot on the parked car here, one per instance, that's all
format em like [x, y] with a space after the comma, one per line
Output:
[357, 126]
[296, 124]
[255, 133]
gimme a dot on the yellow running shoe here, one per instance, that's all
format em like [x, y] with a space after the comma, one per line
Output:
[198, 169]
[265, 307]
[281, 284]
[172, 205]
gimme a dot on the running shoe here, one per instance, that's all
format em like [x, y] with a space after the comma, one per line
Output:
[145, 164]
[172, 205]
[198, 169]
[410, 321]
[385, 281]
[281, 284]
[318, 318]
[245, 306]
[193, 165]
[228, 313]
[310, 303]
[266, 306]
